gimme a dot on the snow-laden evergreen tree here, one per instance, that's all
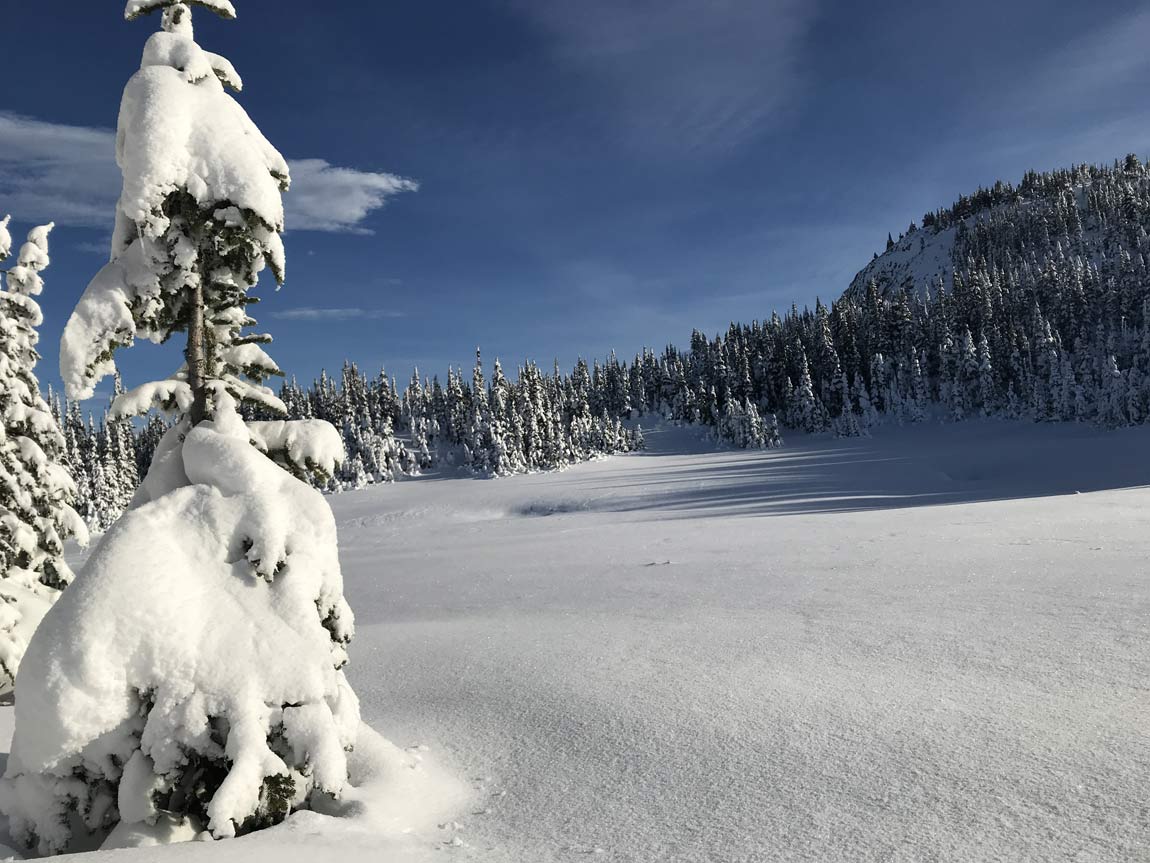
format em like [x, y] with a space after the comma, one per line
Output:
[771, 432]
[806, 410]
[867, 415]
[506, 456]
[36, 491]
[480, 441]
[1112, 412]
[917, 408]
[199, 217]
[987, 389]
[846, 423]
[190, 678]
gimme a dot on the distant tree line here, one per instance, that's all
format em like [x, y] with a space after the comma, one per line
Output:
[1046, 318]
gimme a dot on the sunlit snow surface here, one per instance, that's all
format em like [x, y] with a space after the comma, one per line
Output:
[919, 646]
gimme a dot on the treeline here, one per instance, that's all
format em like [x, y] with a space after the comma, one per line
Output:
[536, 422]
[532, 423]
[1047, 187]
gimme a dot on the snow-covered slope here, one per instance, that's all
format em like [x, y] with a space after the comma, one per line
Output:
[1094, 213]
[927, 645]
[916, 262]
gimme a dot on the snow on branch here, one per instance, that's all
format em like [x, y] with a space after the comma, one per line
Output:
[303, 446]
[170, 396]
[138, 8]
[102, 322]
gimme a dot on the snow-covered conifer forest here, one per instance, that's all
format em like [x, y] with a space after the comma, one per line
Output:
[856, 582]
[1020, 302]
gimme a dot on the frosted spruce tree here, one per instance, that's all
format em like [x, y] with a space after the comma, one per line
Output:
[190, 678]
[36, 491]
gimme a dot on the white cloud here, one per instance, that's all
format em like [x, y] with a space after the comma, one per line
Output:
[308, 313]
[679, 76]
[69, 174]
[327, 198]
[53, 171]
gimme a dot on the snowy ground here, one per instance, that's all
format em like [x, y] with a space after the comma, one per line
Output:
[922, 646]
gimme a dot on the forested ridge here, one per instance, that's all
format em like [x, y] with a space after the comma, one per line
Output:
[1042, 314]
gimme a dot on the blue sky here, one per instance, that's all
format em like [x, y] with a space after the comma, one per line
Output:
[607, 173]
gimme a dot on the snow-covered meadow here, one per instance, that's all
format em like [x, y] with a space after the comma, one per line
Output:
[931, 644]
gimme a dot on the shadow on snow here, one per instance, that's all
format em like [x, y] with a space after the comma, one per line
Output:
[897, 468]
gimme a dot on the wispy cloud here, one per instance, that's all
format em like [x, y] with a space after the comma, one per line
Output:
[104, 247]
[1077, 102]
[308, 313]
[54, 171]
[1096, 63]
[69, 174]
[1085, 89]
[680, 76]
[327, 198]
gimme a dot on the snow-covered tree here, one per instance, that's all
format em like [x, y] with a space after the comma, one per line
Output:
[741, 425]
[199, 217]
[1112, 396]
[191, 675]
[36, 491]
[868, 416]
[987, 389]
[846, 423]
[918, 393]
[806, 410]
[771, 432]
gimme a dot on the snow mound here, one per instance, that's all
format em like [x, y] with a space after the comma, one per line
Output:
[397, 804]
[198, 655]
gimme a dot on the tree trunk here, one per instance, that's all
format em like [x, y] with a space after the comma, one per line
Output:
[197, 358]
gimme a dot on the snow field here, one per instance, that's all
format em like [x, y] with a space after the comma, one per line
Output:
[918, 646]
[896, 648]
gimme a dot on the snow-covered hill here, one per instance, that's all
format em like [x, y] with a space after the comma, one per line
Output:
[1090, 212]
[916, 262]
[927, 645]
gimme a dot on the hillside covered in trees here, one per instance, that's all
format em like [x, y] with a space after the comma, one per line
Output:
[1041, 313]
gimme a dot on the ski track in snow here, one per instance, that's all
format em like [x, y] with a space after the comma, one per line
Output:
[919, 646]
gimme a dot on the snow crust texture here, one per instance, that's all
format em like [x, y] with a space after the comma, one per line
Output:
[198, 653]
[920, 646]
